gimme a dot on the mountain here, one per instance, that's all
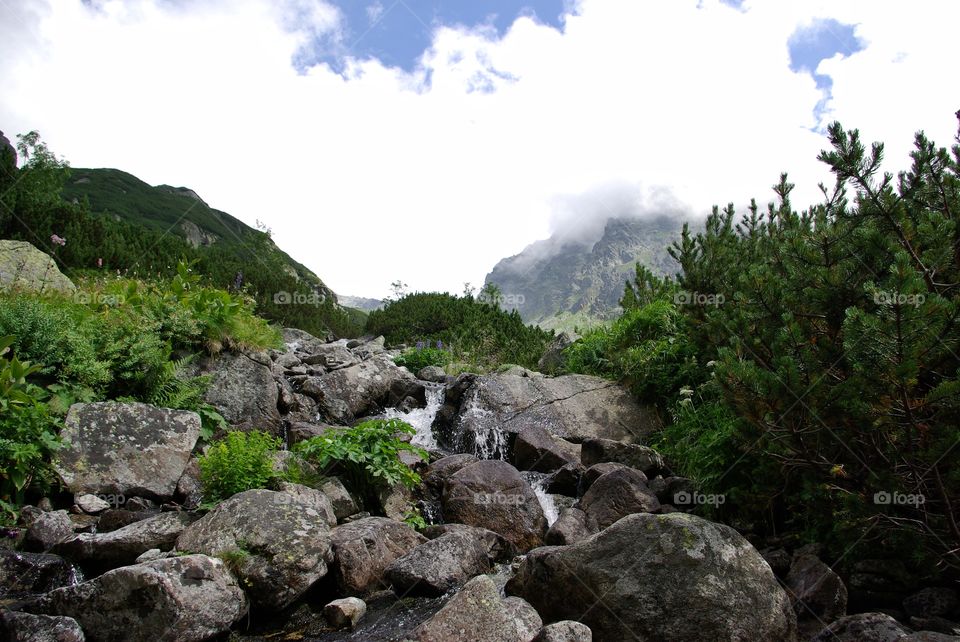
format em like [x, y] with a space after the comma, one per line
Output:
[360, 303]
[559, 283]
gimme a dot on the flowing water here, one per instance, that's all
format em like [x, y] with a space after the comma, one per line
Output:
[422, 418]
[489, 440]
[538, 482]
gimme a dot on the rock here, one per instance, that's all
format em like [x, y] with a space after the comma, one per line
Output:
[779, 561]
[303, 342]
[479, 614]
[433, 374]
[332, 357]
[879, 583]
[124, 545]
[24, 267]
[598, 451]
[189, 487]
[536, 449]
[566, 480]
[659, 577]
[439, 565]
[363, 550]
[552, 360]
[26, 627]
[935, 624]
[362, 389]
[496, 545]
[46, 530]
[565, 631]
[572, 407]
[116, 518]
[23, 574]
[345, 613]
[243, 390]
[370, 348]
[302, 431]
[126, 448]
[438, 472]
[929, 636]
[673, 490]
[617, 494]
[819, 596]
[181, 599]
[277, 543]
[91, 503]
[492, 494]
[395, 501]
[597, 471]
[863, 627]
[154, 554]
[572, 526]
[344, 505]
[935, 601]
[140, 504]
[316, 499]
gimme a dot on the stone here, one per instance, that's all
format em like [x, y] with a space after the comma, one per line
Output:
[863, 627]
[617, 494]
[659, 577]
[552, 360]
[344, 505]
[818, 594]
[114, 518]
[189, 487]
[496, 545]
[565, 631]
[440, 470]
[934, 601]
[124, 545]
[46, 530]
[439, 565]
[126, 449]
[363, 549]
[572, 526]
[779, 560]
[91, 503]
[566, 480]
[181, 599]
[277, 542]
[23, 574]
[598, 451]
[26, 627]
[492, 494]
[597, 471]
[536, 449]
[243, 390]
[434, 374]
[23, 267]
[478, 613]
[345, 613]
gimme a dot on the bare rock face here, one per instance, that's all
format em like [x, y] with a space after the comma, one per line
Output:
[24, 267]
[670, 577]
[180, 599]
[243, 390]
[124, 545]
[441, 564]
[617, 494]
[277, 543]
[126, 449]
[365, 548]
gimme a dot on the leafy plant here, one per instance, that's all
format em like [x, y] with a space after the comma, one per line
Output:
[240, 461]
[414, 519]
[418, 358]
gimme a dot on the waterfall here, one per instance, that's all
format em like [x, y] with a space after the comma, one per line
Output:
[422, 418]
[538, 482]
[489, 440]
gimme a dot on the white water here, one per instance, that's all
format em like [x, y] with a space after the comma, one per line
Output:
[549, 507]
[422, 418]
[490, 441]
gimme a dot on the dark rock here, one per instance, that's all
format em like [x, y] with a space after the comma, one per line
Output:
[363, 550]
[116, 518]
[598, 451]
[778, 559]
[26, 627]
[566, 480]
[936, 624]
[123, 546]
[496, 545]
[536, 449]
[673, 490]
[617, 494]
[572, 526]
[441, 469]
[936, 601]
[596, 471]
[819, 596]
[189, 487]
[874, 583]
[46, 530]
[23, 574]
[344, 504]
[863, 627]
[439, 565]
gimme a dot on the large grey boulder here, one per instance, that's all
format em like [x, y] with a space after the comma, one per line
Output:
[818, 594]
[362, 389]
[863, 627]
[277, 543]
[572, 526]
[492, 494]
[24, 267]
[572, 407]
[179, 599]
[441, 564]
[617, 494]
[124, 545]
[25, 627]
[23, 574]
[243, 390]
[126, 449]
[365, 548]
[478, 613]
[46, 530]
[659, 577]
[565, 631]
[644, 459]
[497, 547]
[536, 449]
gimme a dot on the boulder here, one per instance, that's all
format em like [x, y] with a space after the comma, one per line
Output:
[300, 341]
[935, 601]
[434, 374]
[124, 545]
[863, 627]
[598, 451]
[26, 627]
[929, 636]
[363, 550]
[24, 267]
[617, 494]
[23, 574]
[439, 565]
[331, 356]
[818, 594]
[116, 518]
[316, 499]
[536, 449]
[126, 448]
[438, 472]
[91, 504]
[572, 526]
[478, 613]
[492, 494]
[572, 407]
[659, 577]
[345, 613]
[597, 471]
[566, 480]
[344, 505]
[497, 547]
[303, 430]
[678, 491]
[180, 599]
[277, 543]
[565, 631]
[779, 561]
[552, 360]
[243, 390]
[189, 487]
[874, 583]
[362, 389]
[46, 530]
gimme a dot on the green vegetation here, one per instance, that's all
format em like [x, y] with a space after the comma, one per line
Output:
[809, 360]
[366, 456]
[417, 358]
[474, 331]
[238, 462]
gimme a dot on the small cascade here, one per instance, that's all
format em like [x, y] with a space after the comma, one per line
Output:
[422, 418]
[489, 440]
[538, 482]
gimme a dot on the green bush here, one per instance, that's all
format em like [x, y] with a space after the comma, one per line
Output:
[367, 455]
[238, 462]
[416, 359]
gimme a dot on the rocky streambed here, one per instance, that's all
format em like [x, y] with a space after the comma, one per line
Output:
[549, 519]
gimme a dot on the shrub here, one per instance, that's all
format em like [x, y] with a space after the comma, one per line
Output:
[240, 461]
[416, 359]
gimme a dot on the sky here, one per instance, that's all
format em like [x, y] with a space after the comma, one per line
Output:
[424, 140]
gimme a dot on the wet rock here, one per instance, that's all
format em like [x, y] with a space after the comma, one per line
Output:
[572, 526]
[345, 613]
[617, 494]
[536, 449]
[46, 530]
[598, 451]
[363, 550]
[566, 480]
[124, 545]
[26, 627]
[565, 631]
[863, 627]
[23, 574]
[440, 470]
[439, 565]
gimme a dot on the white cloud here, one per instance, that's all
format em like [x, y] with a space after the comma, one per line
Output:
[382, 175]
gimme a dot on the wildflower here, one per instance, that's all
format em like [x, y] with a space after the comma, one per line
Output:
[420, 345]
[99, 263]
[58, 240]
[439, 344]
